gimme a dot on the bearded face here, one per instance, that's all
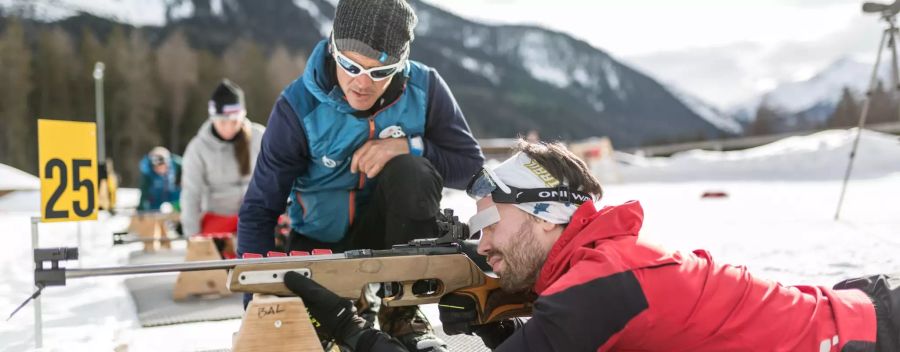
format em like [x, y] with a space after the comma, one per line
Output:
[513, 246]
[521, 260]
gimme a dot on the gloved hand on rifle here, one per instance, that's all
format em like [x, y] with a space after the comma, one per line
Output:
[459, 314]
[335, 317]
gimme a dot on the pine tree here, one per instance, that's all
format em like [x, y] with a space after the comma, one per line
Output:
[282, 69]
[54, 75]
[884, 106]
[177, 65]
[209, 74]
[133, 103]
[17, 146]
[846, 113]
[89, 53]
[245, 65]
[766, 122]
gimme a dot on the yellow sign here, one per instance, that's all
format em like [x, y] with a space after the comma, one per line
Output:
[67, 162]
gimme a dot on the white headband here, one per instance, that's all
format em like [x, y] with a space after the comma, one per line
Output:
[229, 112]
[522, 172]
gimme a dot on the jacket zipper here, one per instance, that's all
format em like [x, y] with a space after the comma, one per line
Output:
[362, 176]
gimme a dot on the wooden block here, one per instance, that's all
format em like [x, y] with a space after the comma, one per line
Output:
[145, 228]
[141, 225]
[201, 283]
[163, 234]
[152, 226]
[276, 324]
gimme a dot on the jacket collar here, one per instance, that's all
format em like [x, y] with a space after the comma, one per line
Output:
[607, 235]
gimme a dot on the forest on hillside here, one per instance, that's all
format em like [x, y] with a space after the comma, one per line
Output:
[154, 94]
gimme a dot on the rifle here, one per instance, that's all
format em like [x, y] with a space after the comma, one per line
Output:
[440, 265]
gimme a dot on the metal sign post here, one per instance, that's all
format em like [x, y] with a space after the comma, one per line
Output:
[38, 317]
[78, 233]
[101, 122]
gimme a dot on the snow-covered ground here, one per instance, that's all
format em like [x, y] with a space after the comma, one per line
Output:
[12, 179]
[777, 219]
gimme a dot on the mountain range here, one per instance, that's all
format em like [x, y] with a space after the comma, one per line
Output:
[812, 101]
[508, 79]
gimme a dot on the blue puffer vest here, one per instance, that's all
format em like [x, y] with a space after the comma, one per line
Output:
[325, 199]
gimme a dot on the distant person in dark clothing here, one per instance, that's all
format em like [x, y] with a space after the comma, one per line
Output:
[362, 144]
[160, 180]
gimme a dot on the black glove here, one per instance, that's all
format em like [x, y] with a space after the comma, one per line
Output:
[335, 317]
[459, 314]
[332, 316]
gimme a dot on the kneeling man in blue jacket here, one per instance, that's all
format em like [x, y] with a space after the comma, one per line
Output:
[360, 146]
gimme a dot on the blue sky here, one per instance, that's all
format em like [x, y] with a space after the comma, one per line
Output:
[726, 52]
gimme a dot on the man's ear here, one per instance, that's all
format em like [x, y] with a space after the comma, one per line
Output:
[546, 226]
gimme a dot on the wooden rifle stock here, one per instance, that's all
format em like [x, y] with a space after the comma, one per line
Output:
[453, 272]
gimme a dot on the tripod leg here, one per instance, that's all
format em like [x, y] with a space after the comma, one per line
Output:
[888, 34]
[895, 73]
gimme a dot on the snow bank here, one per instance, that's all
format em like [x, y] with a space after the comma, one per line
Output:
[820, 156]
[30, 201]
[21, 201]
[12, 179]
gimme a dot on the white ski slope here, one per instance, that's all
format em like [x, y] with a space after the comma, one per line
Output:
[777, 220]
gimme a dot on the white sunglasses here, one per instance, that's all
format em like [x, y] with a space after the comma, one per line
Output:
[354, 69]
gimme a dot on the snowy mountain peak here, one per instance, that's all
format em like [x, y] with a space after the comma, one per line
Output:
[136, 12]
[824, 88]
[722, 120]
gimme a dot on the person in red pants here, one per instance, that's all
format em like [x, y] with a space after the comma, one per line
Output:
[217, 165]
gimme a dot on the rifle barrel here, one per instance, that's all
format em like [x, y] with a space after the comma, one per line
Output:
[75, 273]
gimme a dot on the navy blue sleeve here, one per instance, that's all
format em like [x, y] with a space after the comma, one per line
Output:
[449, 144]
[283, 156]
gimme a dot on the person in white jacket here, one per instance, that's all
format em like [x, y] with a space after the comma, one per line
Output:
[218, 164]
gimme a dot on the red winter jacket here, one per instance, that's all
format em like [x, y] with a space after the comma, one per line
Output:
[604, 289]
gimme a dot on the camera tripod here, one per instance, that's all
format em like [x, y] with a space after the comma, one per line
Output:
[888, 39]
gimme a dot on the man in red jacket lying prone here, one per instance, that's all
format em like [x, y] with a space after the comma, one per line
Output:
[603, 288]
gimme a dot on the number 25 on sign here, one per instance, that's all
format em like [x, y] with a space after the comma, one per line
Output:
[67, 156]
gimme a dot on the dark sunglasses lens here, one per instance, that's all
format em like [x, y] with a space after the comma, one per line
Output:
[348, 66]
[481, 185]
[383, 73]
